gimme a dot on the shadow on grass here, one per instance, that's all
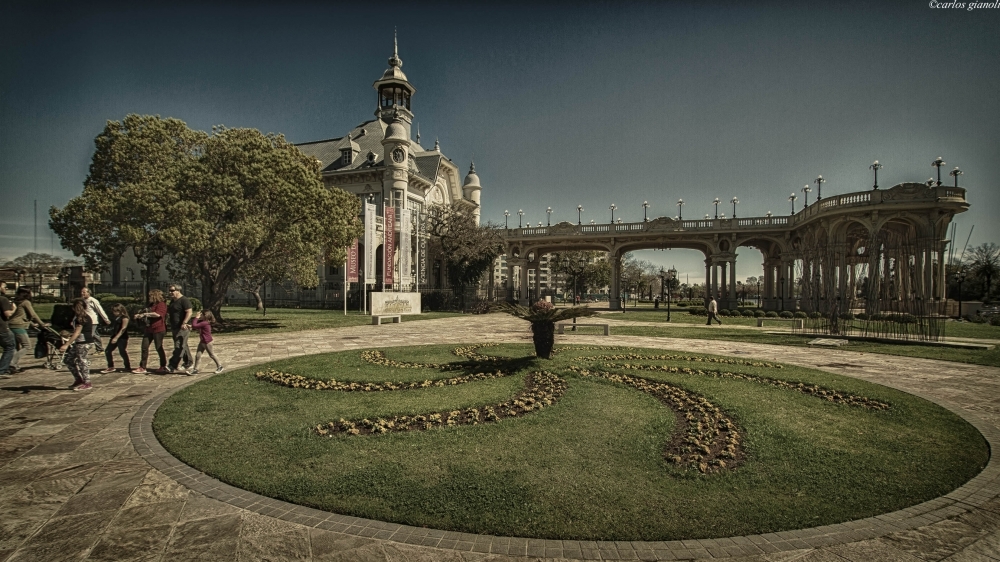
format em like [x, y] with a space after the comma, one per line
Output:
[245, 324]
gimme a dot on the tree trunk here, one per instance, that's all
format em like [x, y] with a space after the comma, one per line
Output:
[256, 296]
[543, 336]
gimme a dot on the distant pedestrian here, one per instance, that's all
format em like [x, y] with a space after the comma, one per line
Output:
[202, 323]
[7, 341]
[23, 318]
[119, 339]
[96, 312]
[77, 347]
[179, 312]
[713, 312]
[154, 318]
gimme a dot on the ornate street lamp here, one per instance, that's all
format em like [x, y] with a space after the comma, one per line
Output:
[807, 190]
[548, 221]
[768, 215]
[735, 202]
[930, 182]
[819, 188]
[520, 213]
[539, 224]
[645, 205]
[955, 173]
[716, 201]
[579, 214]
[613, 207]
[792, 198]
[875, 167]
[708, 216]
[506, 215]
[937, 164]
[619, 221]
[680, 207]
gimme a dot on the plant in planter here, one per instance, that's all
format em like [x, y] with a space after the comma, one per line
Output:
[543, 317]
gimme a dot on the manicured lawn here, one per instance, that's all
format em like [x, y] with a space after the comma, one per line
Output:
[246, 320]
[979, 357]
[590, 466]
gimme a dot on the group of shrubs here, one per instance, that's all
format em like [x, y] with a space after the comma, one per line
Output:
[748, 313]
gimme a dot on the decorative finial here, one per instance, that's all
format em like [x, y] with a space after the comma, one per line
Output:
[395, 60]
[472, 167]
[437, 145]
[418, 133]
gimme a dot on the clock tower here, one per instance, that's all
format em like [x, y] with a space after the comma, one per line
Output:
[394, 95]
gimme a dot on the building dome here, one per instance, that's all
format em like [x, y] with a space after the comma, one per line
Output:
[472, 180]
[395, 131]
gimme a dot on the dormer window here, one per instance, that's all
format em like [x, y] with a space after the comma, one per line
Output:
[347, 155]
[371, 157]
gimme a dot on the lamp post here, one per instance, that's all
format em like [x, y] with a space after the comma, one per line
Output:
[758, 292]
[735, 202]
[792, 198]
[875, 167]
[807, 190]
[520, 213]
[680, 207]
[716, 201]
[613, 207]
[671, 275]
[579, 214]
[959, 278]
[645, 205]
[819, 188]
[548, 222]
[506, 215]
[955, 173]
[937, 164]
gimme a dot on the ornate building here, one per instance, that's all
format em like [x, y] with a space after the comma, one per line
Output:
[381, 162]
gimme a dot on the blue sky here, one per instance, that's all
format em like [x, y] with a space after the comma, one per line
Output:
[561, 104]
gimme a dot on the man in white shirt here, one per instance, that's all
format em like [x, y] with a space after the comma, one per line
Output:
[713, 312]
[94, 310]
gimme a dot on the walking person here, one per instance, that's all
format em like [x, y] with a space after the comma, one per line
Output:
[7, 341]
[179, 312]
[119, 339]
[95, 311]
[78, 346]
[154, 318]
[23, 318]
[202, 323]
[713, 312]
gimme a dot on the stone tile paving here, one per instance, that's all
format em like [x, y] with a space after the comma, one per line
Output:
[82, 478]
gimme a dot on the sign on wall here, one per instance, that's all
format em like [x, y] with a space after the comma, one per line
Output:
[389, 246]
[352, 262]
[405, 274]
[369, 243]
[384, 303]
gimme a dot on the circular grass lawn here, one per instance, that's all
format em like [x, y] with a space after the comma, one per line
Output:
[609, 459]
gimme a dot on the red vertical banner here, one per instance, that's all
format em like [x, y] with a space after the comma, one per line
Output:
[389, 246]
[352, 262]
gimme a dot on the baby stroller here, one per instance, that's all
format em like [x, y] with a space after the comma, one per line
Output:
[49, 342]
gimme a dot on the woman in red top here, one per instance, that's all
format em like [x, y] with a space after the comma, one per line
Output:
[156, 327]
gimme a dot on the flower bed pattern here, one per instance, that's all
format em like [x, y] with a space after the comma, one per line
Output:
[674, 357]
[705, 437]
[541, 389]
[827, 394]
[298, 381]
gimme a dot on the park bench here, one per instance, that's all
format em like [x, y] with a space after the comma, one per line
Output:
[378, 319]
[797, 323]
[562, 326]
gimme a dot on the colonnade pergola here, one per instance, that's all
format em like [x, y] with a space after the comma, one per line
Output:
[881, 250]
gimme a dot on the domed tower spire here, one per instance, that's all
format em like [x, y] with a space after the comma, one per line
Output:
[471, 189]
[394, 90]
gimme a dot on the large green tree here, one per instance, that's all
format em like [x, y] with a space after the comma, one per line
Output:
[984, 262]
[234, 201]
[467, 249]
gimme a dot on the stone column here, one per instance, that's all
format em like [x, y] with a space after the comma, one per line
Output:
[715, 280]
[614, 297]
[708, 276]
[522, 296]
[941, 277]
[732, 283]
[510, 280]
[928, 276]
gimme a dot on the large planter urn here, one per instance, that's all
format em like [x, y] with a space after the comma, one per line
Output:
[543, 334]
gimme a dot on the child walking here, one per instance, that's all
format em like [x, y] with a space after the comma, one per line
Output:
[78, 346]
[202, 323]
[119, 339]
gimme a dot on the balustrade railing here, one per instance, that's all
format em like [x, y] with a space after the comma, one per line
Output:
[857, 199]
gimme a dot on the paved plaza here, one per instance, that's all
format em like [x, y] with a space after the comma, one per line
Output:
[83, 478]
